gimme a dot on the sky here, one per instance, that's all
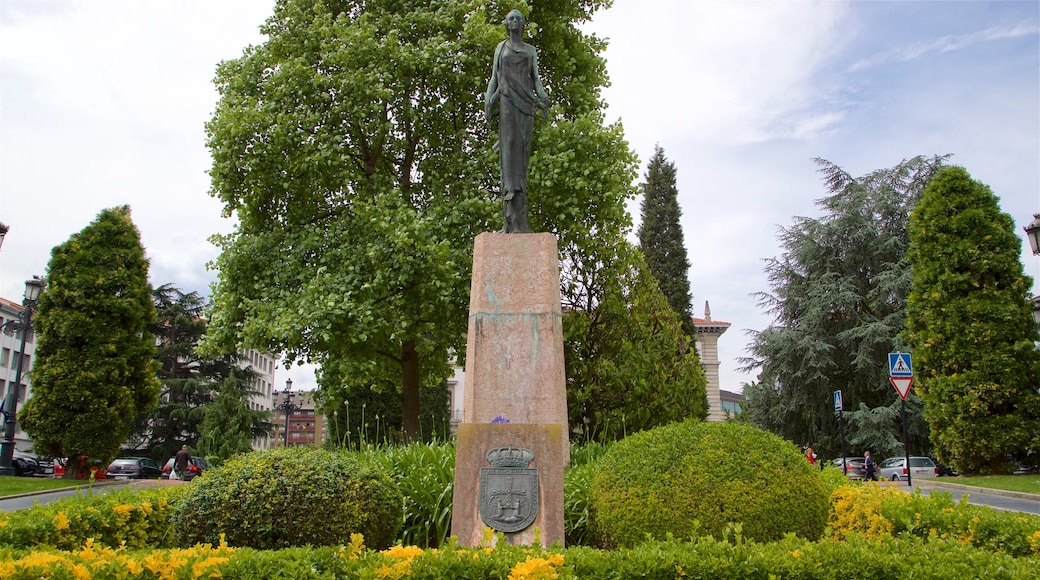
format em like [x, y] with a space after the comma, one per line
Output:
[103, 103]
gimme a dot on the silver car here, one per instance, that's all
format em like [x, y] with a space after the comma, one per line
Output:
[894, 468]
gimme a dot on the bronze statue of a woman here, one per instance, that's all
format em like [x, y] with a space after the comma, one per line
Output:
[517, 88]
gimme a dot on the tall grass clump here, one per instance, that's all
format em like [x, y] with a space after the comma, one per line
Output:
[425, 475]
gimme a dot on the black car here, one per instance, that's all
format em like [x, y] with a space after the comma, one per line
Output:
[24, 465]
[196, 465]
[134, 468]
[944, 470]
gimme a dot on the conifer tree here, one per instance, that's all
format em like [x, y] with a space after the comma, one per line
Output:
[230, 425]
[95, 361]
[839, 302]
[970, 326]
[661, 237]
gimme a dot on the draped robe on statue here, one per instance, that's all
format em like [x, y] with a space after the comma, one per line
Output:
[516, 86]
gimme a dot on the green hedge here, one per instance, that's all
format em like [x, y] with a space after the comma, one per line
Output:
[693, 478]
[289, 497]
[704, 558]
[136, 518]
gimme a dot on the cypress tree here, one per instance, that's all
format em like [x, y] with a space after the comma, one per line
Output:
[95, 361]
[661, 237]
[970, 326]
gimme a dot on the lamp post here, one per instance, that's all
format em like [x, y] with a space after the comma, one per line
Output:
[1033, 233]
[4, 228]
[287, 407]
[33, 288]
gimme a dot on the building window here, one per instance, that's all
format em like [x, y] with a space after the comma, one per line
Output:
[5, 357]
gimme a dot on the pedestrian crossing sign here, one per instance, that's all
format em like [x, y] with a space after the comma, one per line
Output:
[900, 365]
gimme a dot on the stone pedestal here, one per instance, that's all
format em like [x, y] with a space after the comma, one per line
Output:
[543, 440]
[514, 373]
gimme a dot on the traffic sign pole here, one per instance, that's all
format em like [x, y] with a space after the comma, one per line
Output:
[838, 407]
[901, 375]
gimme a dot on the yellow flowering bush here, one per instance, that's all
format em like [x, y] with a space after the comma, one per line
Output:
[94, 561]
[537, 568]
[134, 518]
[878, 512]
[791, 557]
[857, 509]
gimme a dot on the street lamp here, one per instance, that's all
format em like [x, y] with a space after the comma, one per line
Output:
[287, 407]
[33, 288]
[4, 228]
[1033, 233]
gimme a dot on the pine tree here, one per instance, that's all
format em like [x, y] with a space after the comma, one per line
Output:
[970, 326]
[839, 295]
[187, 379]
[229, 425]
[95, 361]
[661, 237]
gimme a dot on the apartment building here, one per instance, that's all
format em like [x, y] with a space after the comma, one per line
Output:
[10, 352]
[263, 387]
[302, 425]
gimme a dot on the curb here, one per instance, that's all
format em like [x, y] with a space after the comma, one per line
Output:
[989, 491]
[77, 488]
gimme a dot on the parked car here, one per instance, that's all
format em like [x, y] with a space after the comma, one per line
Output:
[856, 470]
[943, 469]
[196, 465]
[85, 468]
[134, 468]
[894, 468]
[24, 464]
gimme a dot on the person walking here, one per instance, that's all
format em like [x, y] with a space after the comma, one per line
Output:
[869, 469]
[180, 462]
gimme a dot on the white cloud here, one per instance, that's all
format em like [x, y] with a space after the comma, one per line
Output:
[946, 43]
[722, 72]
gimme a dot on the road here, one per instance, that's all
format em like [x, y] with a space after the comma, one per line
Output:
[28, 500]
[1005, 500]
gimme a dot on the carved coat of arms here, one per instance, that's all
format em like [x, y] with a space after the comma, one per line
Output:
[508, 490]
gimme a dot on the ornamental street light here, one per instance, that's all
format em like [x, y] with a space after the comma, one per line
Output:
[33, 288]
[4, 228]
[1033, 233]
[287, 407]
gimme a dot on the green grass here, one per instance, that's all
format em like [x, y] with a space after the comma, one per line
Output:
[17, 485]
[1020, 483]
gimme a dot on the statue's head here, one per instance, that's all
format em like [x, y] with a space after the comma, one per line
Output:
[515, 16]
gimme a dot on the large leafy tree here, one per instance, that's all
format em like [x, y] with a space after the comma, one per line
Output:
[661, 237]
[970, 326]
[95, 366]
[352, 148]
[838, 298]
[630, 366]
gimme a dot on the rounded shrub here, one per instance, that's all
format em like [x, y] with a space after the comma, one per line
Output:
[692, 479]
[290, 497]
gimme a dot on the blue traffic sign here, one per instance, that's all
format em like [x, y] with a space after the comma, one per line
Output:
[900, 365]
[837, 401]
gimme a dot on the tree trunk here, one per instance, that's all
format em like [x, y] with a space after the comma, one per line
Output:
[410, 391]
